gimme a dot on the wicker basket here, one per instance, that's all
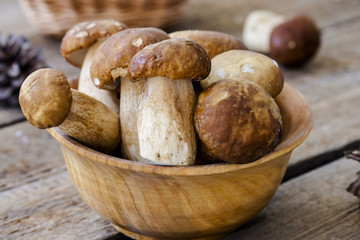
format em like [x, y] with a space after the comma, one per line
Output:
[54, 17]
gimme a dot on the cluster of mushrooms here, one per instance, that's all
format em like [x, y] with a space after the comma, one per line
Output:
[184, 98]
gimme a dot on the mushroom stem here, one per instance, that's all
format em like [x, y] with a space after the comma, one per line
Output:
[108, 97]
[92, 123]
[47, 101]
[165, 122]
[130, 93]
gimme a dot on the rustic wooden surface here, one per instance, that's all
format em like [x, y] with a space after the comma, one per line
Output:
[312, 206]
[39, 201]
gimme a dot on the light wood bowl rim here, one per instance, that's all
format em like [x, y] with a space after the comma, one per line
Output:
[300, 135]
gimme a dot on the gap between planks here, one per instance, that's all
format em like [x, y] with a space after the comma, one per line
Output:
[299, 168]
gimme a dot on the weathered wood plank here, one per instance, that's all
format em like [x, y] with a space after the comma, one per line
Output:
[37, 197]
[9, 115]
[49, 208]
[331, 84]
[229, 15]
[313, 206]
[38, 200]
[45, 202]
[27, 154]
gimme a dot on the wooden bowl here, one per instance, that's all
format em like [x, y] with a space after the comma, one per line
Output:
[146, 201]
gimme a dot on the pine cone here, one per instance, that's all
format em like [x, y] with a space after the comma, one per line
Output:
[17, 60]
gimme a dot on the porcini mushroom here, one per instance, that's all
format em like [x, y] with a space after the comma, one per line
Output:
[80, 37]
[244, 64]
[237, 121]
[165, 118]
[47, 100]
[212, 41]
[78, 47]
[110, 62]
[291, 41]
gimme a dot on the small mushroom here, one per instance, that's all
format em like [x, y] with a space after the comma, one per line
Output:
[110, 62]
[165, 118]
[78, 47]
[47, 101]
[291, 41]
[80, 37]
[212, 41]
[244, 64]
[237, 121]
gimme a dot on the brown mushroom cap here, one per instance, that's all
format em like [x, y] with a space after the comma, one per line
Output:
[175, 58]
[212, 41]
[243, 64]
[45, 98]
[113, 56]
[295, 41]
[81, 36]
[237, 121]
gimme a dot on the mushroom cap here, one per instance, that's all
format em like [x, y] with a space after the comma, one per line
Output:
[81, 36]
[113, 56]
[295, 41]
[175, 58]
[212, 41]
[237, 121]
[243, 64]
[45, 98]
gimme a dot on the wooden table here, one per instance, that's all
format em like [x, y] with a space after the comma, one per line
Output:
[39, 201]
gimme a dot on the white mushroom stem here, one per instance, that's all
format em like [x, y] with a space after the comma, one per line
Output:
[165, 122]
[108, 97]
[130, 93]
[257, 29]
[92, 123]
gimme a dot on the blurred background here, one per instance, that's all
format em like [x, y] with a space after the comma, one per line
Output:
[36, 19]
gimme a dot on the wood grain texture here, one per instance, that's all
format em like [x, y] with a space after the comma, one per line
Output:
[313, 206]
[9, 116]
[38, 156]
[331, 83]
[37, 198]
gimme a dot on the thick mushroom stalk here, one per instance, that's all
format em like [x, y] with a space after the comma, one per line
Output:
[165, 118]
[291, 41]
[47, 100]
[165, 127]
[110, 62]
